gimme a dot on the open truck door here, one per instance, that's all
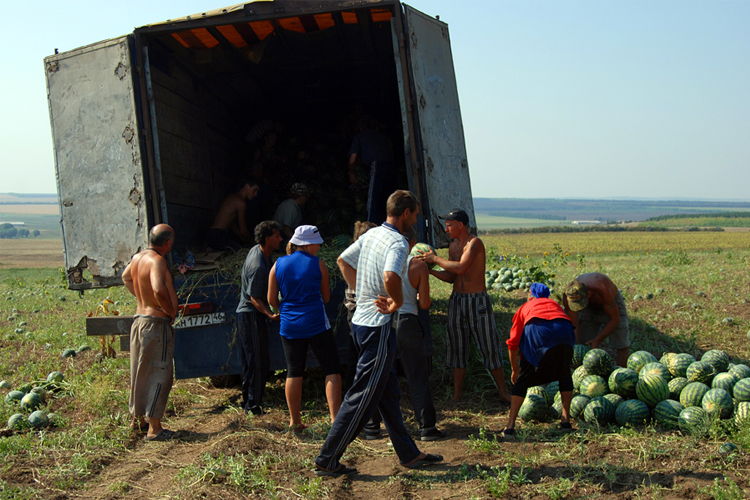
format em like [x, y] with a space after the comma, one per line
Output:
[92, 106]
[439, 141]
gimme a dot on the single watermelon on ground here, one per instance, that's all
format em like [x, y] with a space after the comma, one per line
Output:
[716, 358]
[676, 385]
[579, 351]
[55, 377]
[667, 412]
[622, 381]
[632, 412]
[694, 420]
[593, 386]
[652, 389]
[31, 401]
[718, 402]
[724, 381]
[17, 421]
[692, 394]
[38, 419]
[700, 371]
[534, 407]
[14, 397]
[598, 362]
[639, 359]
[599, 411]
[679, 364]
[742, 390]
[577, 405]
[655, 369]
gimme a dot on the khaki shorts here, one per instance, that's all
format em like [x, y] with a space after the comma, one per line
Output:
[590, 324]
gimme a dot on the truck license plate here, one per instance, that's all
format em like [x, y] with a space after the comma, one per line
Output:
[201, 320]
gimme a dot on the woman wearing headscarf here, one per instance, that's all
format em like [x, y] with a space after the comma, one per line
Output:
[302, 280]
[544, 335]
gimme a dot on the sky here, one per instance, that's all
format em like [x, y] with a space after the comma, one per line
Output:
[559, 99]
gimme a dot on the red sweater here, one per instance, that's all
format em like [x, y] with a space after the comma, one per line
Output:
[536, 308]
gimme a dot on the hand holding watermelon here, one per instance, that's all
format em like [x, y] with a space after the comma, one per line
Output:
[425, 253]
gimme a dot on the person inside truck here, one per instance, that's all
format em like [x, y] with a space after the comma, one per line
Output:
[289, 212]
[373, 150]
[229, 230]
[302, 280]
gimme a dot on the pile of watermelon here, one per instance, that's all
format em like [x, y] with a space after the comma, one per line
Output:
[509, 279]
[32, 397]
[676, 391]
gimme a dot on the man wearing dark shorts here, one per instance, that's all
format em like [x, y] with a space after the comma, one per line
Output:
[252, 313]
[544, 334]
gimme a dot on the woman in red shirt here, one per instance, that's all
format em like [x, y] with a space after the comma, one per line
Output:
[545, 336]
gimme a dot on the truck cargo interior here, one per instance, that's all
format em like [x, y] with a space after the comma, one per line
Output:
[277, 99]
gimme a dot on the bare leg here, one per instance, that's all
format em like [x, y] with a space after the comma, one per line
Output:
[458, 383]
[515, 405]
[566, 398]
[138, 422]
[622, 357]
[499, 377]
[333, 394]
[293, 390]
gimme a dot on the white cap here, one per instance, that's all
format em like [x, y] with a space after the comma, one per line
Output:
[306, 235]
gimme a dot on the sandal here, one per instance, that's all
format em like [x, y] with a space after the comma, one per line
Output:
[429, 459]
[509, 432]
[164, 435]
[341, 470]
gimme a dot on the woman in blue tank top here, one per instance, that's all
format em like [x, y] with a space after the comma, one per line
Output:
[302, 280]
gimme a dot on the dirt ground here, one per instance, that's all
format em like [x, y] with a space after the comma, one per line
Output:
[30, 252]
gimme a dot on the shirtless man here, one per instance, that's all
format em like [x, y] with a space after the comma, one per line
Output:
[230, 224]
[152, 336]
[597, 309]
[469, 308]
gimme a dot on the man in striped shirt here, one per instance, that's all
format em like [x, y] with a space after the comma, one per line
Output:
[374, 266]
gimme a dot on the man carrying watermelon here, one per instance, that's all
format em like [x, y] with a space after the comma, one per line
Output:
[597, 309]
[470, 308]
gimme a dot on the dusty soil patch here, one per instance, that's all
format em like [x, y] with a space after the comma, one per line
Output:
[30, 252]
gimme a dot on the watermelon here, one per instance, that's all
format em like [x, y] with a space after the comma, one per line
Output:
[655, 369]
[676, 385]
[55, 377]
[25, 388]
[5, 385]
[599, 411]
[728, 448]
[716, 358]
[666, 358]
[615, 399]
[539, 390]
[534, 407]
[700, 371]
[17, 421]
[41, 391]
[742, 414]
[692, 394]
[577, 405]
[741, 390]
[622, 381]
[556, 409]
[638, 359]
[31, 401]
[632, 412]
[724, 381]
[553, 389]
[14, 397]
[694, 420]
[651, 389]
[38, 419]
[69, 353]
[578, 375]
[579, 351]
[420, 248]
[598, 362]
[718, 402]
[83, 348]
[667, 412]
[593, 386]
[740, 371]
[679, 364]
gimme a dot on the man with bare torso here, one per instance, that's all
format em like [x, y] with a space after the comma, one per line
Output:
[152, 336]
[229, 229]
[597, 309]
[469, 308]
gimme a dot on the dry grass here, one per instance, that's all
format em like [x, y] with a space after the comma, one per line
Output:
[28, 252]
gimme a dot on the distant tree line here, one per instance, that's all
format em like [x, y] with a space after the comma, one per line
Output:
[8, 231]
[527, 215]
[726, 215]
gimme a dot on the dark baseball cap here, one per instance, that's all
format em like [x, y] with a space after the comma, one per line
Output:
[457, 214]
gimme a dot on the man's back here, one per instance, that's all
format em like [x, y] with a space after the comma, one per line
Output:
[149, 273]
[602, 290]
[229, 212]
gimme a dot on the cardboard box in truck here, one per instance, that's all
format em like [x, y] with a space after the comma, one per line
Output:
[160, 125]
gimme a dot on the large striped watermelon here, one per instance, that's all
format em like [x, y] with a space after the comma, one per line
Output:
[593, 386]
[540, 391]
[556, 409]
[598, 362]
[577, 405]
[724, 380]
[632, 412]
[667, 412]
[579, 351]
[694, 420]
[638, 359]
[716, 358]
[553, 388]
[740, 371]
[676, 385]
[622, 381]
[578, 375]
[742, 390]
[679, 364]
[615, 399]
[651, 389]
[742, 414]
[534, 407]
[692, 394]
[700, 371]
[666, 358]
[718, 402]
[655, 369]
[599, 411]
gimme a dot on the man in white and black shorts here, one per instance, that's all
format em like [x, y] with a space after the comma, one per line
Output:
[470, 308]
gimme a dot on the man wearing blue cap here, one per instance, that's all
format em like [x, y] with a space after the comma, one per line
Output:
[545, 336]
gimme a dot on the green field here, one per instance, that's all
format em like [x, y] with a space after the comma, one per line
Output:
[698, 281]
[48, 225]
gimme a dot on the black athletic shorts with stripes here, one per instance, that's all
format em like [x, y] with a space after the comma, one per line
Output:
[470, 316]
